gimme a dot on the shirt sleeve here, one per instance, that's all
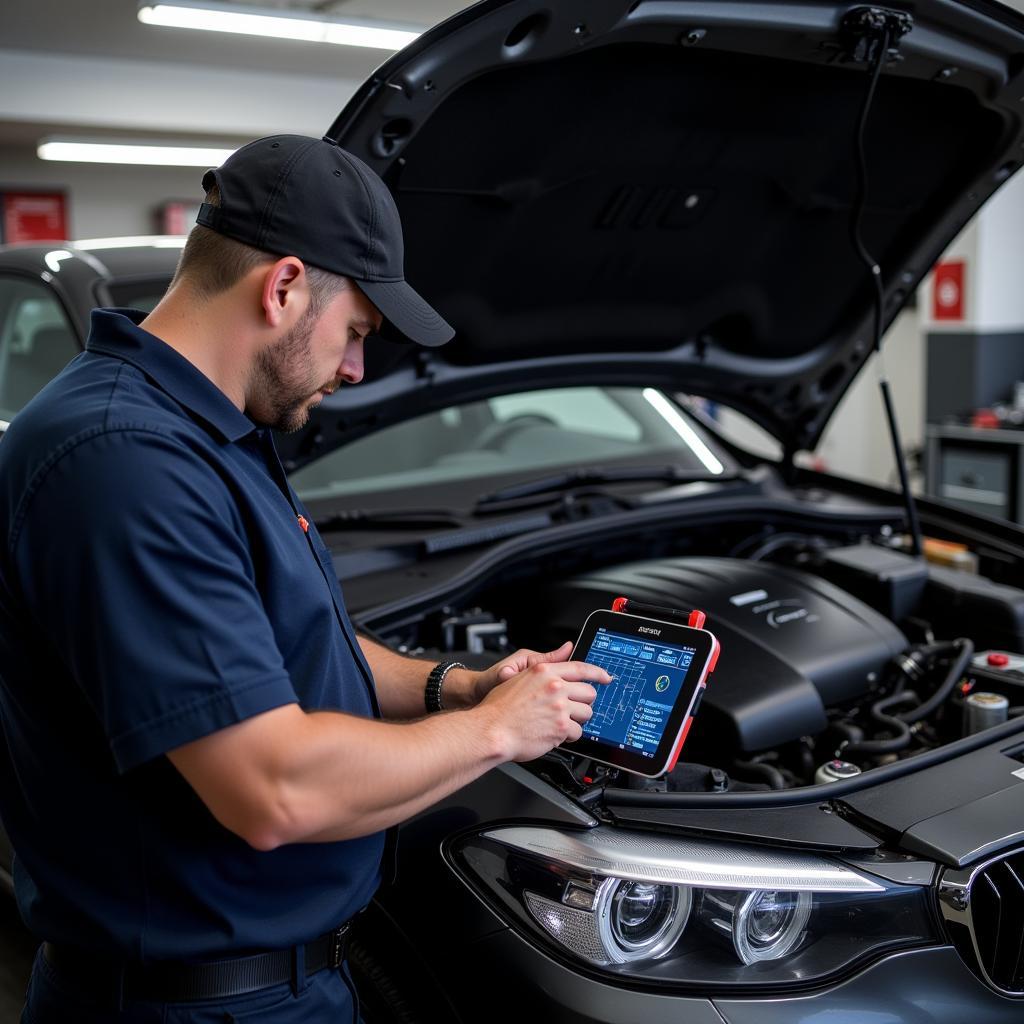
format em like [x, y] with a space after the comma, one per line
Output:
[133, 561]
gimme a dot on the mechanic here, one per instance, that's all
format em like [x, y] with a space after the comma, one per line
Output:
[194, 771]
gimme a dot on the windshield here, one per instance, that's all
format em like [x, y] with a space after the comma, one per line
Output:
[516, 434]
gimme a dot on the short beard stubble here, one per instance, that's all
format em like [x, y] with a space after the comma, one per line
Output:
[284, 377]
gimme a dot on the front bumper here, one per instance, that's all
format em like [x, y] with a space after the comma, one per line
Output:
[926, 986]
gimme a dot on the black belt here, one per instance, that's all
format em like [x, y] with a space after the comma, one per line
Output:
[107, 981]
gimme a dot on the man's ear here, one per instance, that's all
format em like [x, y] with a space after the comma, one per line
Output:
[285, 293]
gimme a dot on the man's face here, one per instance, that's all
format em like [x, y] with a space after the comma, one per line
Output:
[292, 376]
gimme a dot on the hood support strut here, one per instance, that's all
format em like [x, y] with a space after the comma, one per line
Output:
[872, 35]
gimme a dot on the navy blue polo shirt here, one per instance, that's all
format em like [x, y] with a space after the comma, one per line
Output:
[156, 585]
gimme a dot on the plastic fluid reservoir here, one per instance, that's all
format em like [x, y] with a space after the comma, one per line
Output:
[835, 771]
[983, 710]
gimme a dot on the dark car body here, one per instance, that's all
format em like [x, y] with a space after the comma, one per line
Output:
[47, 291]
[614, 202]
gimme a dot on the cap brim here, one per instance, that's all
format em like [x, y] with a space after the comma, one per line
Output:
[407, 311]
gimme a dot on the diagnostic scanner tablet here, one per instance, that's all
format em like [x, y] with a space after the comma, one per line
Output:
[642, 716]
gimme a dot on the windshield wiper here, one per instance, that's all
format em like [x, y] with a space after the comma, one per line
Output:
[391, 518]
[457, 534]
[596, 475]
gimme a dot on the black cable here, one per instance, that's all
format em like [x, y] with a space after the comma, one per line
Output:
[779, 541]
[899, 741]
[860, 202]
[945, 688]
[827, 790]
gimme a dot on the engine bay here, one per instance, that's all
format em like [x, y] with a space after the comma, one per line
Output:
[836, 657]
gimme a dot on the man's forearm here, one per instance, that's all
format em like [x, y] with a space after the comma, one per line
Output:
[400, 770]
[289, 776]
[401, 682]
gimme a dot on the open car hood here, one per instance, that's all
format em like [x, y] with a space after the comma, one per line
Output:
[660, 192]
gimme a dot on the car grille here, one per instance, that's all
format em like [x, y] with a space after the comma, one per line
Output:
[984, 911]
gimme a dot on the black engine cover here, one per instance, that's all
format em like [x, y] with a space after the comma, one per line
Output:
[792, 644]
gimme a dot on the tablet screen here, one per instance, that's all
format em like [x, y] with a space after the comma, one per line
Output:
[632, 712]
[639, 717]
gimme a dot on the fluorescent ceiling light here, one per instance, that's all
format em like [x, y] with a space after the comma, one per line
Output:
[677, 421]
[132, 153]
[128, 241]
[253, 22]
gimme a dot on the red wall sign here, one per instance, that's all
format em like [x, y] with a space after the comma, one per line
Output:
[34, 216]
[948, 291]
[177, 217]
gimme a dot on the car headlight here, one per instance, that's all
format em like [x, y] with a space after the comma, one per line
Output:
[682, 911]
[762, 925]
[618, 922]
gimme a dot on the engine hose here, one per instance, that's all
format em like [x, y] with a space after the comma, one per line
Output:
[768, 772]
[851, 733]
[873, 748]
[956, 671]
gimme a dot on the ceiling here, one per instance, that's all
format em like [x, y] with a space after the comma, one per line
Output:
[93, 69]
[89, 68]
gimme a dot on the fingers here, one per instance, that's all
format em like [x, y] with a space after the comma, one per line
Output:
[583, 671]
[524, 659]
[580, 671]
[581, 693]
[580, 713]
[559, 654]
[575, 732]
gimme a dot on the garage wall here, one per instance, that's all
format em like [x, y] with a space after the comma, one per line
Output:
[856, 442]
[104, 199]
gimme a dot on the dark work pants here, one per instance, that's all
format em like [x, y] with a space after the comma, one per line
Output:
[326, 998]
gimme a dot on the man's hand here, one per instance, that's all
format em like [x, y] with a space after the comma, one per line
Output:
[465, 688]
[542, 706]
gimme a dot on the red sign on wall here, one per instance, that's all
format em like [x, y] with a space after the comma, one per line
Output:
[948, 291]
[34, 217]
[177, 217]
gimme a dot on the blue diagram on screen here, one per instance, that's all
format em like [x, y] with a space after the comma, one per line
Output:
[632, 711]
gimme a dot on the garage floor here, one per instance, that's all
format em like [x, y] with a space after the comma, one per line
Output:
[17, 950]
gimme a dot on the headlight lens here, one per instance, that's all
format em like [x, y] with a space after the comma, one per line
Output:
[618, 923]
[642, 919]
[762, 925]
[688, 911]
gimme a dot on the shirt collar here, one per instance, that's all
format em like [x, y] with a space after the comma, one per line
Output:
[116, 332]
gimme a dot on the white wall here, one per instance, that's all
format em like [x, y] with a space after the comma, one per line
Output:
[856, 442]
[103, 199]
[1000, 282]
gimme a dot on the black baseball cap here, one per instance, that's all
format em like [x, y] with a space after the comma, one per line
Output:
[296, 196]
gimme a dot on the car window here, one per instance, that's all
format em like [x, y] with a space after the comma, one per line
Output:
[36, 341]
[138, 294]
[518, 433]
[590, 410]
[734, 426]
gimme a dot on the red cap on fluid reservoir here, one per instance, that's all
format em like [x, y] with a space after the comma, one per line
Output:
[998, 659]
[619, 604]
